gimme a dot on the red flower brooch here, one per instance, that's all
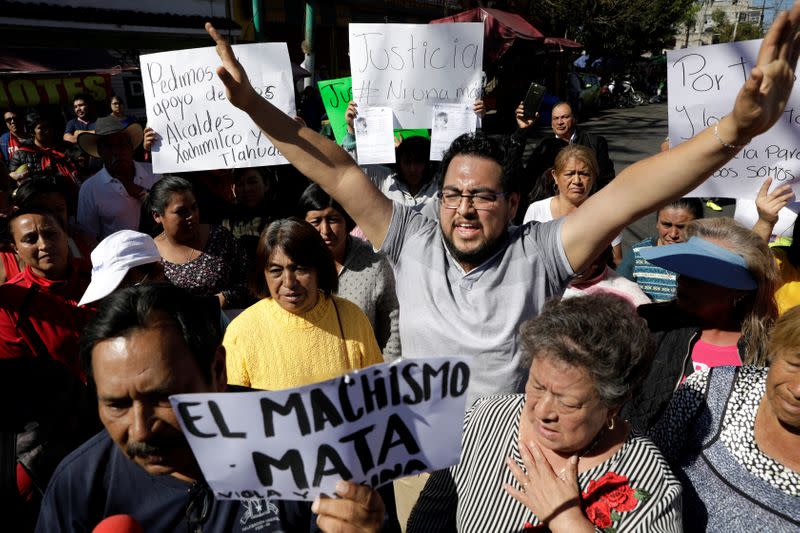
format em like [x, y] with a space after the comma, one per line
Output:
[605, 498]
[603, 501]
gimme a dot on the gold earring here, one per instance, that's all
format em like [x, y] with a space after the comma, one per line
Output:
[610, 425]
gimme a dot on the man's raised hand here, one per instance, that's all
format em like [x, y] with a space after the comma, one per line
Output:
[763, 97]
[237, 87]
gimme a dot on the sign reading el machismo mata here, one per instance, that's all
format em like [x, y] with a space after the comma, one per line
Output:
[370, 426]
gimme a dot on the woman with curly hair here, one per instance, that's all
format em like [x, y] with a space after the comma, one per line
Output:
[571, 462]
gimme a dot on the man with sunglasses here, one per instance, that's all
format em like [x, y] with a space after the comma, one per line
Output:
[148, 342]
[11, 140]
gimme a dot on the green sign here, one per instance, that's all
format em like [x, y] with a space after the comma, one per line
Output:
[405, 134]
[336, 94]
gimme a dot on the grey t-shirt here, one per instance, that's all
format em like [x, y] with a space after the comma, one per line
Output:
[445, 311]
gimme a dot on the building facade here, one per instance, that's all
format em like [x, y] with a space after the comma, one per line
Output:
[702, 31]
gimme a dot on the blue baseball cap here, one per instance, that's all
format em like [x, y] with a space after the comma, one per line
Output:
[703, 260]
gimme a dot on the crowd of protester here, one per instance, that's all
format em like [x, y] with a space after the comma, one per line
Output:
[657, 390]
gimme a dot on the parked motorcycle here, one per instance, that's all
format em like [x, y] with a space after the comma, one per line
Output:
[617, 93]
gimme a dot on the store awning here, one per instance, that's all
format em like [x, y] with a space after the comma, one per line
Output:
[562, 42]
[57, 61]
[500, 29]
[113, 17]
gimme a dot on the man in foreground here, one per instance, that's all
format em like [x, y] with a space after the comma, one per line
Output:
[147, 343]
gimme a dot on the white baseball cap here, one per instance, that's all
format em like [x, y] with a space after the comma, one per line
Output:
[114, 257]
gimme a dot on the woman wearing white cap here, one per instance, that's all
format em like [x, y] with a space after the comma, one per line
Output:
[122, 259]
[721, 316]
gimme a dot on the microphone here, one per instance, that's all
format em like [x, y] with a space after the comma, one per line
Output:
[119, 523]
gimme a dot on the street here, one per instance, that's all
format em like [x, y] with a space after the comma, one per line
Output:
[632, 135]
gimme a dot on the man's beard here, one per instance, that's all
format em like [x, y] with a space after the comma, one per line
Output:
[480, 254]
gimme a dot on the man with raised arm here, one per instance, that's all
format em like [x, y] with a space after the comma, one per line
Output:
[467, 281]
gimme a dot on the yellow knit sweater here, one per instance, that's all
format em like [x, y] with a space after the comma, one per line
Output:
[270, 348]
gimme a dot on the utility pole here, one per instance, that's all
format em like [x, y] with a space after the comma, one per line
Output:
[308, 43]
[258, 21]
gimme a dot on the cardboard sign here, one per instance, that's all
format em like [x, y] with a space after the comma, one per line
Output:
[198, 128]
[370, 426]
[411, 67]
[336, 94]
[703, 84]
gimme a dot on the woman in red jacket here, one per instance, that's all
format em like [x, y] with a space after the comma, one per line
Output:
[39, 316]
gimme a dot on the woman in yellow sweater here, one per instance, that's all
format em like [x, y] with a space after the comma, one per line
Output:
[299, 332]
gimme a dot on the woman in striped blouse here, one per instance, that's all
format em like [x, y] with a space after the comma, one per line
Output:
[559, 456]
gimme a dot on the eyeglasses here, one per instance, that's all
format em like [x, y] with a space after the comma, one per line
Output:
[9, 120]
[480, 201]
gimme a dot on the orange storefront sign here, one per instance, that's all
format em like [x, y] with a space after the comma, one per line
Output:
[31, 91]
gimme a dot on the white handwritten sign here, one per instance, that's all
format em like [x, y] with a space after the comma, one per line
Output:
[703, 84]
[198, 128]
[411, 67]
[371, 426]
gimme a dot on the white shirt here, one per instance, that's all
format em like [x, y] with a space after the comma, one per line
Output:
[540, 212]
[105, 207]
[397, 191]
[571, 137]
[612, 283]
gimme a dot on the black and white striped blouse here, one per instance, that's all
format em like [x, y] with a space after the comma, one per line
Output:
[634, 490]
